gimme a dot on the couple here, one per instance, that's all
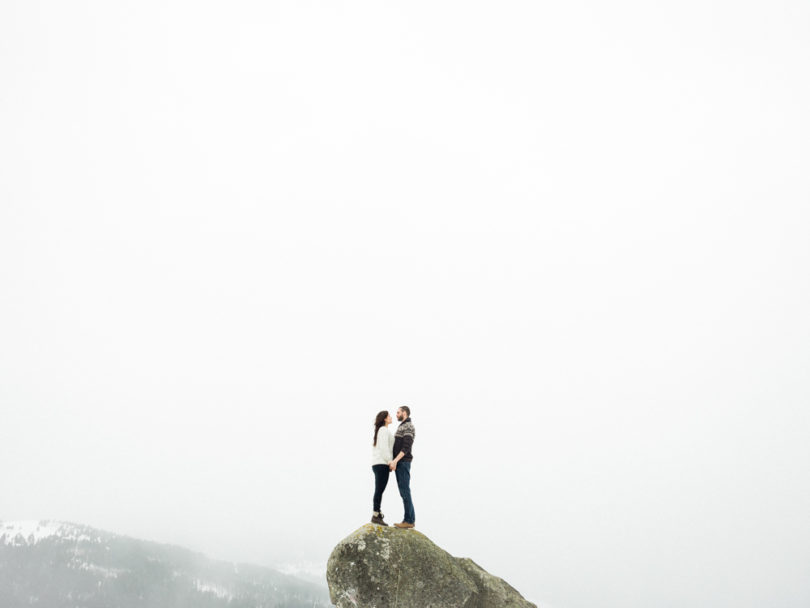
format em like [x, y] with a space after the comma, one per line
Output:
[383, 462]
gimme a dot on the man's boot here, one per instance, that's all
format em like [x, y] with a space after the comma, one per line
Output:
[377, 518]
[404, 524]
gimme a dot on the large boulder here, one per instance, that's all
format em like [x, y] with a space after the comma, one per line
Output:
[379, 567]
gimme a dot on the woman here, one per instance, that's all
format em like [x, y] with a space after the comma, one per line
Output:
[382, 453]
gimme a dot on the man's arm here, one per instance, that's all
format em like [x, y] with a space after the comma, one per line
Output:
[407, 442]
[393, 464]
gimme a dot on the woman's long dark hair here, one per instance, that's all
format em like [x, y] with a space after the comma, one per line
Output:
[378, 422]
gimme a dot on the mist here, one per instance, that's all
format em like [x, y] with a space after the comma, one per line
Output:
[572, 238]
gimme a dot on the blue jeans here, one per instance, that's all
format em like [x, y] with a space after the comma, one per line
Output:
[381, 473]
[404, 482]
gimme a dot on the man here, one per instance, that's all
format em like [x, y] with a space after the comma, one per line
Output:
[401, 464]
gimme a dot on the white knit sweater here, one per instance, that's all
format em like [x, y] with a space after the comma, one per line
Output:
[383, 452]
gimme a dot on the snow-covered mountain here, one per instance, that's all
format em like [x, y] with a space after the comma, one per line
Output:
[23, 533]
[64, 565]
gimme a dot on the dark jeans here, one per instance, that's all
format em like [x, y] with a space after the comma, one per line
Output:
[404, 482]
[381, 473]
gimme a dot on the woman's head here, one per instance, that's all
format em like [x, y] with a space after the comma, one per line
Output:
[383, 418]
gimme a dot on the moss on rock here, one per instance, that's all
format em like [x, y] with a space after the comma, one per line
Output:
[379, 567]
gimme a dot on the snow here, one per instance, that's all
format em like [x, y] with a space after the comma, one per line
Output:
[218, 590]
[100, 570]
[31, 532]
[308, 570]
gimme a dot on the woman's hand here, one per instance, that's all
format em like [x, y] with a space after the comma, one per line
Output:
[392, 465]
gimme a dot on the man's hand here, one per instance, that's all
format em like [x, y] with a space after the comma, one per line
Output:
[392, 465]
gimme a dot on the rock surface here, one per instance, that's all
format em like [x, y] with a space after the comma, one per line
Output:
[379, 567]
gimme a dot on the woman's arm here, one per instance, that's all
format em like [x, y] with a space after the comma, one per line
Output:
[390, 448]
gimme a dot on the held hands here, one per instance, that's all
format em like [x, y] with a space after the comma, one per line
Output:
[392, 465]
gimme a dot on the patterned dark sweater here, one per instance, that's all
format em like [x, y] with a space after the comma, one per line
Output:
[403, 440]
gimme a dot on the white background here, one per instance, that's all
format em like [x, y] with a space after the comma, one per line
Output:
[573, 237]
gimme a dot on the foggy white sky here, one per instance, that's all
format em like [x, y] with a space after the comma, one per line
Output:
[573, 237]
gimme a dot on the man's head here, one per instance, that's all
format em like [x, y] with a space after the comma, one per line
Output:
[403, 413]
